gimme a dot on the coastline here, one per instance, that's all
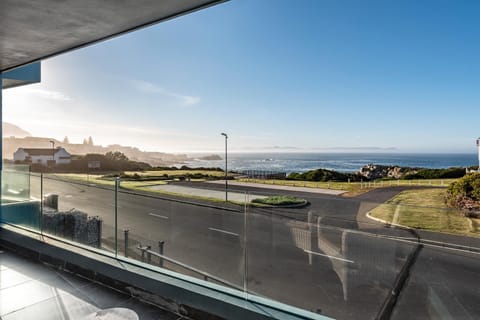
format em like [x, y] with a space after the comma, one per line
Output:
[340, 162]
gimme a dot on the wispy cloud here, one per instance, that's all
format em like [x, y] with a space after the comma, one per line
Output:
[148, 87]
[47, 94]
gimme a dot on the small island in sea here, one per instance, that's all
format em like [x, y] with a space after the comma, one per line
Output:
[211, 157]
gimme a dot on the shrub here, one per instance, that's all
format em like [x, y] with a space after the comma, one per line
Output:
[465, 193]
[279, 200]
[450, 173]
[323, 175]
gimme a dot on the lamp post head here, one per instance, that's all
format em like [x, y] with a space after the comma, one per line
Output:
[225, 135]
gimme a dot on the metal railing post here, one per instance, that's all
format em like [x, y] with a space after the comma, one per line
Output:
[41, 203]
[100, 226]
[149, 254]
[143, 252]
[160, 251]
[125, 238]
[245, 243]
[117, 180]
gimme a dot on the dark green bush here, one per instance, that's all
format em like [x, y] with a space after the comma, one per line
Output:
[279, 200]
[465, 189]
[323, 175]
[450, 173]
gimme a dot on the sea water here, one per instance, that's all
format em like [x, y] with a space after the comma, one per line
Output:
[344, 162]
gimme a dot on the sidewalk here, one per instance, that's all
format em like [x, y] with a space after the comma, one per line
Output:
[279, 187]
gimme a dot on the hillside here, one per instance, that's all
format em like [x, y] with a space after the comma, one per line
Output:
[11, 130]
[16, 137]
[11, 144]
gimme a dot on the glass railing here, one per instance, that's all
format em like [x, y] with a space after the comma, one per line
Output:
[15, 183]
[343, 257]
[21, 203]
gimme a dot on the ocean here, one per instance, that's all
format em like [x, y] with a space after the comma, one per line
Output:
[343, 162]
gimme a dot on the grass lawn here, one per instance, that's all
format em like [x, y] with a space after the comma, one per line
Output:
[353, 188]
[177, 173]
[136, 185]
[425, 209]
[90, 178]
[97, 179]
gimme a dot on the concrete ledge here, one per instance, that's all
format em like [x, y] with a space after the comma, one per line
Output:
[185, 297]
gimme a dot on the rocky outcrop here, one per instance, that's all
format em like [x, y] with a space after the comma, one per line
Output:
[375, 171]
[211, 157]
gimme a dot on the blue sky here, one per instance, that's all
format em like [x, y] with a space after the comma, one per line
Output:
[307, 75]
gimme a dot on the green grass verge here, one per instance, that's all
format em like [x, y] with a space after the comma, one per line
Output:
[425, 209]
[176, 173]
[353, 188]
[90, 178]
[139, 186]
[279, 201]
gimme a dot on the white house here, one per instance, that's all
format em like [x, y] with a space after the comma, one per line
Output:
[42, 156]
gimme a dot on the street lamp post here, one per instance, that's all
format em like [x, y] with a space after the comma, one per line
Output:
[53, 151]
[226, 169]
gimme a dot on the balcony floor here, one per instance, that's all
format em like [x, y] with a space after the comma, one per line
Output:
[32, 290]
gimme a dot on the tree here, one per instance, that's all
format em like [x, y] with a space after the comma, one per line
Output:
[116, 156]
[65, 140]
[90, 141]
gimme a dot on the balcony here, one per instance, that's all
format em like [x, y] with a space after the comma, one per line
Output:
[336, 260]
[82, 245]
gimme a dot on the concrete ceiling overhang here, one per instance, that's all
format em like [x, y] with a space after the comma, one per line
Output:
[31, 30]
[27, 74]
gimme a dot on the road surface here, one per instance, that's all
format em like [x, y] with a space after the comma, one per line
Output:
[325, 258]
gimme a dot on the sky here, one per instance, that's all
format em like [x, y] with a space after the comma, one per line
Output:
[296, 76]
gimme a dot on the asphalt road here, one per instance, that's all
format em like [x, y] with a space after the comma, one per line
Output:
[325, 257]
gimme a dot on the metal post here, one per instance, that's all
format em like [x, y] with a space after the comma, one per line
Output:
[100, 226]
[53, 151]
[160, 250]
[226, 168]
[143, 252]
[149, 254]
[245, 252]
[117, 180]
[310, 231]
[125, 238]
[41, 203]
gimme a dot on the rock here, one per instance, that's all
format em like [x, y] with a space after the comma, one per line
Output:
[211, 157]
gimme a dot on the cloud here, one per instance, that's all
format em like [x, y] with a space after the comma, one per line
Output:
[148, 87]
[48, 94]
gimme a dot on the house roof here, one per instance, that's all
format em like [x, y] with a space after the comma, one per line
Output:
[40, 151]
[31, 30]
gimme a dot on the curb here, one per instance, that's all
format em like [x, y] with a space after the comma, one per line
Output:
[427, 241]
[288, 206]
[387, 223]
[179, 201]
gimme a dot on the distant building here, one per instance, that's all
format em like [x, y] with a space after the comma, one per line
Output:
[43, 156]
